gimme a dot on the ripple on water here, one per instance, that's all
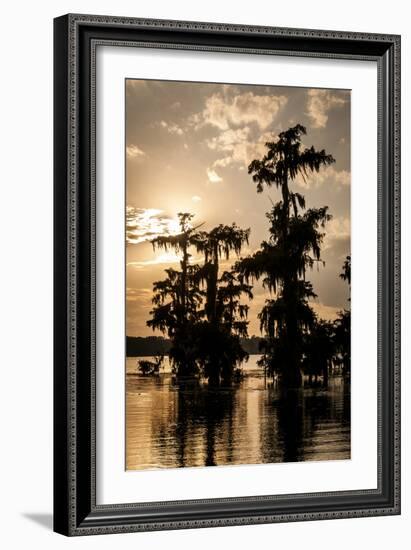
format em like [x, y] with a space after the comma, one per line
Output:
[251, 423]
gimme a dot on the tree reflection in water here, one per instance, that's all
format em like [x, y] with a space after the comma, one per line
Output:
[188, 424]
[203, 422]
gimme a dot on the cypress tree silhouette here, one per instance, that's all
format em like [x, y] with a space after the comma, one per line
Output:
[342, 326]
[177, 299]
[220, 352]
[319, 351]
[294, 245]
[204, 326]
[215, 244]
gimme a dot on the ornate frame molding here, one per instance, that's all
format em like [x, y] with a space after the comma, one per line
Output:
[76, 40]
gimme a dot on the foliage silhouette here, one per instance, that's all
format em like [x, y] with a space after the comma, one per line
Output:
[342, 327]
[319, 351]
[177, 298]
[293, 247]
[150, 368]
[218, 243]
[199, 310]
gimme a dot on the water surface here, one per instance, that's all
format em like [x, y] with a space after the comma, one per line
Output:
[171, 425]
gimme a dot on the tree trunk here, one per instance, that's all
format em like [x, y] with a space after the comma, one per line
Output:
[212, 285]
[325, 372]
[184, 267]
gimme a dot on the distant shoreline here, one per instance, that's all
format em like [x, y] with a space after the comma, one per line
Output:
[150, 346]
[166, 355]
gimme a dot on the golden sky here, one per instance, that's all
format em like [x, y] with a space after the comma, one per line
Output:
[188, 146]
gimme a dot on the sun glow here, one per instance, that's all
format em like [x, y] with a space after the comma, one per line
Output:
[145, 224]
[164, 258]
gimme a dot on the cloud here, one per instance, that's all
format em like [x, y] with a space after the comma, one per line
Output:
[213, 177]
[326, 176]
[163, 258]
[228, 139]
[337, 236]
[339, 227]
[224, 110]
[196, 198]
[172, 128]
[138, 294]
[319, 103]
[134, 152]
[144, 224]
[237, 146]
[237, 116]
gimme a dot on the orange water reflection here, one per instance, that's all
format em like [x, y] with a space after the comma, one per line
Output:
[172, 425]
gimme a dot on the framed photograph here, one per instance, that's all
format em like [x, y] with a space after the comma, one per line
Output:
[227, 276]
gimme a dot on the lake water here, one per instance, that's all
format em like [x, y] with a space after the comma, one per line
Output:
[170, 425]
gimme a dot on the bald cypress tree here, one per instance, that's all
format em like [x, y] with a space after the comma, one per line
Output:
[219, 347]
[342, 326]
[197, 307]
[177, 299]
[293, 247]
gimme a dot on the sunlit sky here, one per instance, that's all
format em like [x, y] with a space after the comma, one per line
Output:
[188, 146]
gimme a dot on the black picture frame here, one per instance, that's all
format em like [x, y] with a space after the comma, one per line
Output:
[75, 40]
